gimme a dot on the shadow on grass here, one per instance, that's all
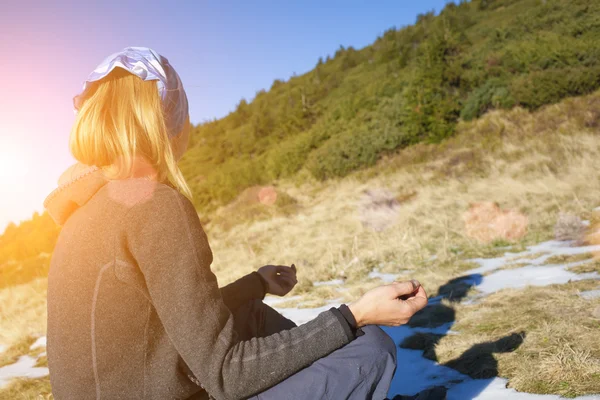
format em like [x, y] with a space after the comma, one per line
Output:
[431, 325]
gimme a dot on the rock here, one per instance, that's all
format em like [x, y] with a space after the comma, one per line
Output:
[486, 222]
[378, 209]
[256, 195]
[569, 227]
[267, 195]
[596, 313]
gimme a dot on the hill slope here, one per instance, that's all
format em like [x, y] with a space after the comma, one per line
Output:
[411, 85]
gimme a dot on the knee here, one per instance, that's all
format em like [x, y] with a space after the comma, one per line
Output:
[379, 341]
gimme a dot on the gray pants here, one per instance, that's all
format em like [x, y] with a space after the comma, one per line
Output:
[363, 369]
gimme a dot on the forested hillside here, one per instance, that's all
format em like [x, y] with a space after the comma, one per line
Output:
[411, 85]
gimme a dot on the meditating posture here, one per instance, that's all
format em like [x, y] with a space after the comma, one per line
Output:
[134, 310]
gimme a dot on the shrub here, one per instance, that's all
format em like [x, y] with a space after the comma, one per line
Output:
[549, 86]
[354, 149]
[224, 184]
[494, 93]
[288, 157]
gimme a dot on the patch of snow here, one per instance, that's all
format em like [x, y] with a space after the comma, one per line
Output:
[23, 368]
[550, 248]
[487, 264]
[40, 342]
[530, 275]
[333, 282]
[302, 315]
[274, 300]
[534, 273]
[585, 222]
[590, 294]
[495, 389]
[387, 278]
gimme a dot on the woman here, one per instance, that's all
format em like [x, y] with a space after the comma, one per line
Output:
[134, 311]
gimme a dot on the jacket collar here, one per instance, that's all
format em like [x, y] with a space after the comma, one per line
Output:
[76, 186]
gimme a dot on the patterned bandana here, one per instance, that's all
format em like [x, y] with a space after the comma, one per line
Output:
[148, 65]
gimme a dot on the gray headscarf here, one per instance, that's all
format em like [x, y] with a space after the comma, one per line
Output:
[148, 65]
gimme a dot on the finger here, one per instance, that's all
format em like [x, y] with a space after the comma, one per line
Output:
[406, 287]
[421, 292]
[416, 303]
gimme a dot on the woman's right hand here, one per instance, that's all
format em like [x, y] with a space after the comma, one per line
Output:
[389, 305]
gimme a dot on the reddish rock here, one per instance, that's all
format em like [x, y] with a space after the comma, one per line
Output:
[267, 195]
[486, 222]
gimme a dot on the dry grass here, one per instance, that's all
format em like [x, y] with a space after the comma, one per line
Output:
[593, 266]
[566, 258]
[27, 389]
[23, 312]
[21, 347]
[22, 321]
[558, 352]
[554, 260]
[42, 362]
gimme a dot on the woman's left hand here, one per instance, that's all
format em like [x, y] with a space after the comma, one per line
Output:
[281, 278]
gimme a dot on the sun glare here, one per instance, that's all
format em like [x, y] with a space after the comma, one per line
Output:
[13, 162]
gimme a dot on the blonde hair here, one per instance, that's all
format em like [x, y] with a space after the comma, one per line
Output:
[122, 121]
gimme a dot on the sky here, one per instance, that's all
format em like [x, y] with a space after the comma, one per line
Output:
[223, 51]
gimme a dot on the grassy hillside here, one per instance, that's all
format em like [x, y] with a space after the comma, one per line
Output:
[411, 85]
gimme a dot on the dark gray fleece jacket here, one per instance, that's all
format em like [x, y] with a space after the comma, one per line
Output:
[134, 311]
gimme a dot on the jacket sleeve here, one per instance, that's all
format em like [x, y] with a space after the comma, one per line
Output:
[248, 287]
[166, 238]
